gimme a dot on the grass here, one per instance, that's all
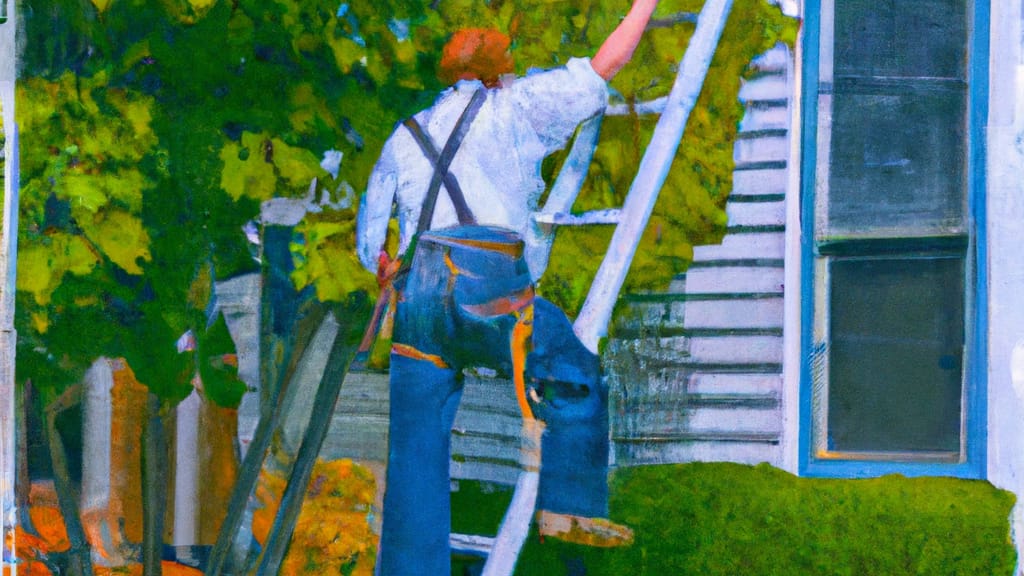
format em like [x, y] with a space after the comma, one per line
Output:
[729, 519]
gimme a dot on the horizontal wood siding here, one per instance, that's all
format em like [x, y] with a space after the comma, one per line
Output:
[756, 213]
[751, 180]
[742, 246]
[736, 279]
[485, 437]
[696, 372]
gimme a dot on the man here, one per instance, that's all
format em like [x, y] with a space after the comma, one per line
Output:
[522, 121]
[466, 292]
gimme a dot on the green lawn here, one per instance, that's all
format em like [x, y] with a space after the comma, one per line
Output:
[728, 519]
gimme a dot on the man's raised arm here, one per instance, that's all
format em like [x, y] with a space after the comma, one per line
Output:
[618, 47]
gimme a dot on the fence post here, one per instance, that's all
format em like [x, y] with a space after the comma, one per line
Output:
[8, 267]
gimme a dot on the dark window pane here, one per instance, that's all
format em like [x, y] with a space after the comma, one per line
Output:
[897, 163]
[901, 38]
[895, 368]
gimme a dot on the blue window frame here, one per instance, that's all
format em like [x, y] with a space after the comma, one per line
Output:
[894, 102]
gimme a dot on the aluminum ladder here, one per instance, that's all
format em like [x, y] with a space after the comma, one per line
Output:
[591, 325]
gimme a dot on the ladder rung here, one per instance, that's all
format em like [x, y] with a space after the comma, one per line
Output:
[609, 216]
[656, 106]
[471, 544]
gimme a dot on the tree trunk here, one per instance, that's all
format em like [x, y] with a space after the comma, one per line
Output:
[154, 483]
[22, 484]
[79, 563]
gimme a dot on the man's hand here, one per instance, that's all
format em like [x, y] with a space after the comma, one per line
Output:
[386, 268]
[618, 48]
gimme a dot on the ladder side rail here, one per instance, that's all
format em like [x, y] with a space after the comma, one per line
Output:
[569, 182]
[573, 173]
[592, 323]
[563, 193]
[515, 527]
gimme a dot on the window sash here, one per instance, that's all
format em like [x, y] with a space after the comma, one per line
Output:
[878, 109]
[882, 382]
[822, 247]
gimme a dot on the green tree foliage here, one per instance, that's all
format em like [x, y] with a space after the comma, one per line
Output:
[91, 159]
[83, 187]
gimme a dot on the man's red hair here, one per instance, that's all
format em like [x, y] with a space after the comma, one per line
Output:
[476, 54]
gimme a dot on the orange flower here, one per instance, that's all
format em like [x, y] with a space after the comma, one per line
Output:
[50, 525]
[332, 533]
[29, 567]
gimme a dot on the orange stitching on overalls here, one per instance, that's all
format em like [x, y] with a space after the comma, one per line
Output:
[452, 268]
[522, 337]
[511, 304]
[411, 352]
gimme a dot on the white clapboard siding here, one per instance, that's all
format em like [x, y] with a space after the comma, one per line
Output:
[767, 115]
[356, 437]
[359, 427]
[772, 147]
[735, 279]
[676, 390]
[485, 437]
[468, 446]
[766, 385]
[771, 87]
[471, 418]
[696, 372]
[483, 471]
[490, 394]
[768, 213]
[759, 181]
[662, 421]
[692, 449]
[760, 245]
[736, 313]
[774, 60]
[712, 351]
[736, 349]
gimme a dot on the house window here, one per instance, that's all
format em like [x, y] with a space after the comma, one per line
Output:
[893, 374]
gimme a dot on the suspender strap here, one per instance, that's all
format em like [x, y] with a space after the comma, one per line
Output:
[451, 184]
[443, 161]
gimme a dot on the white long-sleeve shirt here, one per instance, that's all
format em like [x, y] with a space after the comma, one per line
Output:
[498, 165]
